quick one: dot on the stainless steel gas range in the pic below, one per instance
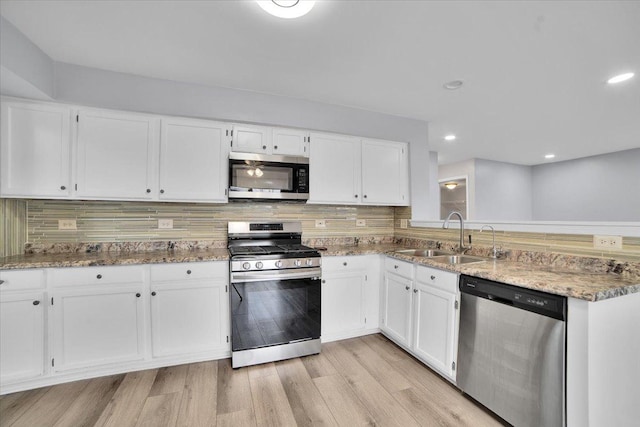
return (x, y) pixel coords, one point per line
(275, 293)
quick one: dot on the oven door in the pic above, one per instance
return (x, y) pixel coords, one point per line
(273, 312)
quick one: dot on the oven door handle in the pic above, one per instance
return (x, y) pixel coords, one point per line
(260, 276)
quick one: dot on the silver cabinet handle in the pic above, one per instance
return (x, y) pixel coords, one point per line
(407, 287)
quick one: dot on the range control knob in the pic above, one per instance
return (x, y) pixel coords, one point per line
(279, 264)
(258, 265)
(246, 265)
(297, 263)
(309, 262)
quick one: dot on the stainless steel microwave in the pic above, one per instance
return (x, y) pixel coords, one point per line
(259, 176)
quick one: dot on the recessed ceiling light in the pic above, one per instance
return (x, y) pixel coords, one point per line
(453, 84)
(450, 137)
(620, 78)
(549, 156)
(287, 8)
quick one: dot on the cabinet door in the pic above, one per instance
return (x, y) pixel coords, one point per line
(434, 327)
(290, 142)
(385, 173)
(34, 151)
(97, 327)
(251, 139)
(334, 169)
(117, 154)
(193, 160)
(396, 313)
(189, 318)
(21, 336)
(343, 304)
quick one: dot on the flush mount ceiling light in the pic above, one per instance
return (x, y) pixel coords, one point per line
(451, 185)
(450, 137)
(453, 84)
(287, 9)
(549, 156)
(620, 78)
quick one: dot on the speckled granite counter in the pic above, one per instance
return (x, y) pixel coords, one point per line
(571, 283)
(588, 286)
(111, 258)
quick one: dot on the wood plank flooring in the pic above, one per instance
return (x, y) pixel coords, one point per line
(366, 381)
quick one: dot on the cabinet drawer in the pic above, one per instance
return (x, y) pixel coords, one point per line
(60, 277)
(338, 263)
(20, 280)
(401, 268)
(445, 280)
(189, 271)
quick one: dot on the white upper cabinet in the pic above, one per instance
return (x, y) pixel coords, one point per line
(193, 160)
(251, 139)
(35, 151)
(334, 169)
(117, 155)
(385, 179)
(290, 142)
(346, 170)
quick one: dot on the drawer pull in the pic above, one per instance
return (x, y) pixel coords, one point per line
(138, 295)
(433, 277)
(99, 276)
(153, 294)
(344, 263)
(396, 267)
(36, 302)
(62, 187)
(415, 291)
(407, 287)
(188, 271)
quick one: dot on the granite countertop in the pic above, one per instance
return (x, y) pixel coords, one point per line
(561, 281)
(88, 259)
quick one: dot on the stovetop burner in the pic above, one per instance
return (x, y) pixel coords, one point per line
(271, 250)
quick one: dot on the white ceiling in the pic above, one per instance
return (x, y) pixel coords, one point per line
(534, 72)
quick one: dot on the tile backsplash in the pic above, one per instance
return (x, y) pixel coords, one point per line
(13, 226)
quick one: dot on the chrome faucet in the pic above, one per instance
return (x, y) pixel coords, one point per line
(494, 251)
(462, 248)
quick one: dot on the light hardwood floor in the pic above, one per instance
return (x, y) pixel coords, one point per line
(361, 381)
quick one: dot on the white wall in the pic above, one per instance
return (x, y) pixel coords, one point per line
(502, 191)
(598, 188)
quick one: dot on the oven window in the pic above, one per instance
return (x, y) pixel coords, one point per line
(274, 312)
(262, 177)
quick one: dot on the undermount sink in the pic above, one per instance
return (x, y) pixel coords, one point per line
(457, 259)
(427, 253)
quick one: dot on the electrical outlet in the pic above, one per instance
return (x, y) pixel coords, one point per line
(165, 224)
(607, 242)
(67, 224)
(321, 223)
(361, 222)
(403, 223)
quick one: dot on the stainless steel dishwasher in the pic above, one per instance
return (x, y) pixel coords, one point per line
(511, 355)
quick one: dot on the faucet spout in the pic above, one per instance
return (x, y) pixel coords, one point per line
(462, 248)
(494, 251)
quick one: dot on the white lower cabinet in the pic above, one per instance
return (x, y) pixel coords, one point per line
(420, 313)
(96, 326)
(189, 309)
(350, 296)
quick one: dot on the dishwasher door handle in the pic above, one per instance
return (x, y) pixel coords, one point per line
(500, 300)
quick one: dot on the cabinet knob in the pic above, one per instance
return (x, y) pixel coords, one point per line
(99, 276)
(275, 147)
(161, 191)
(153, 294)
(36, 302)
(415, 291)
(1, 282)
(344, 263)
(433, 277)
(365, 196)
(396, 266)
(264, 147)
(148, 190)
(407, 287)
(188, 271)
(324, 281)
(138, 295)
(62, 187)
(356, 196)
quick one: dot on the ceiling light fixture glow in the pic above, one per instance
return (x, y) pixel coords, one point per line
(549, 156)
(453, 84)
(287, 9)
(450, 137)
(451, 185)
(620, 78)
